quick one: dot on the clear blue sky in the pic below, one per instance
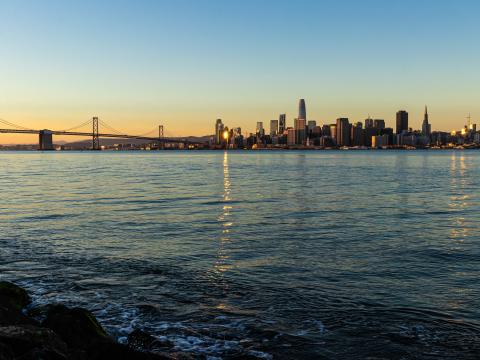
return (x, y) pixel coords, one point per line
(185, 62)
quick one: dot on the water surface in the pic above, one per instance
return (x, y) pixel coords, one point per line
(326, 254)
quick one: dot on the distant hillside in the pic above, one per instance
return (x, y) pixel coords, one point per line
(110, 141)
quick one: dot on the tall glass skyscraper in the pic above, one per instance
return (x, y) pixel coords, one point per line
(301, 123)
(302, 111)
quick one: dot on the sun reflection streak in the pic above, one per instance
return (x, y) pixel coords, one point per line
(222, 263)
(459, 200)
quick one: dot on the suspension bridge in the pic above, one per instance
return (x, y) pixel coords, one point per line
(45, 136)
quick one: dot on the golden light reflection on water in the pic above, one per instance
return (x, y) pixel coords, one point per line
(222, 263)
(460, 198)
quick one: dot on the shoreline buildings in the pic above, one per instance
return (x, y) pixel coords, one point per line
(300, 123)
(372, 133)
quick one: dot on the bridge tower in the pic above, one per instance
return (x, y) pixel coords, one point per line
(95, 138)
(161, 143)
(45, 140)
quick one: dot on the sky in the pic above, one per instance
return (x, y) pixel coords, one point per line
(139, 63)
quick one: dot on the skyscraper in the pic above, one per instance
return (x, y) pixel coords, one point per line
(273, 128)
(379, 124)
(368, 123)
(260, 130)
(402, 121)
(357, 135)
(426, 127)
(218, 131)
(301, 123)
(300, 131)
(302, 111)
(343, 132)
(282, 123)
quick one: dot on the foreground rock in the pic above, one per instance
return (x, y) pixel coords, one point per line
(64, 333)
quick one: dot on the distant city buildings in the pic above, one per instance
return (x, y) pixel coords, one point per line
(379, 124)
(218, 131)
(426, 127)
(343, 134)
(402, 121)
(368, 123)
(301, 123)
(259, 130)
(273, 128)
(282, 123)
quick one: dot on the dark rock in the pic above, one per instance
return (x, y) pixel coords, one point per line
(28, 342)
(5, 352)
(40, 312)
(77, 326)
(140, 340)
(9, 316)
(13, 296)
(12, 300)
(65, 333)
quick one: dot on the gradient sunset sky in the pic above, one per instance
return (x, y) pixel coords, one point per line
(183, 63)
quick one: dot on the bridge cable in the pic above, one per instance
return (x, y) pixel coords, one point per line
(78, 126)
(18, 127)
(115, 131)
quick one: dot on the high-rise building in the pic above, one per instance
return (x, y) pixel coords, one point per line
(316, 132)
(326, 130)
(426, 127)
(368, 123)
(218, 131)
(310, 126)
(300, 124)
(300, 131)
(260, 131)
(343, 132)
(357, 134)
(282, 123)
(273, 128)
(379, 124)
(302, 110)
(333, 132)
(402, 121)
(291, 136)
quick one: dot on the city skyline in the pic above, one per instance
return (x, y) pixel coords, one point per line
(343, 134)
(183, 64)
(292, 122)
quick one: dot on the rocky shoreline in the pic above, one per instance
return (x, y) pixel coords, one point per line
(57, 332)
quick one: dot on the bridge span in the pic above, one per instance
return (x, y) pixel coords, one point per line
(45, 136)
